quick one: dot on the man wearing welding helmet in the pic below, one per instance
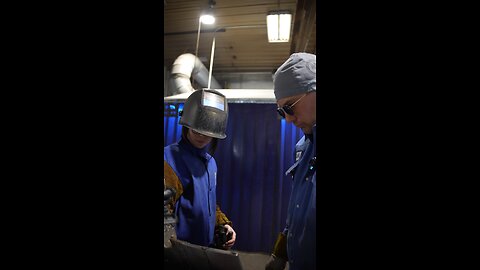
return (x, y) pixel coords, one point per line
(295, 91)
(204, 121)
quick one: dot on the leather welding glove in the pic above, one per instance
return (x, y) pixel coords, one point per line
(171, 181)
(221, 218)
(278, 259)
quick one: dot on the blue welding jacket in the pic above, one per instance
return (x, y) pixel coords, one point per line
(195, 209)
(301, 214)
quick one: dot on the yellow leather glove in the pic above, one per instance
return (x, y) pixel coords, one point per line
(221, 218)
(171, 181)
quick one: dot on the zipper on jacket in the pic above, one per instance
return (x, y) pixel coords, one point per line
(209, 189)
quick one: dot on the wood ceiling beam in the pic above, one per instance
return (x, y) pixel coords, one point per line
(304, 22)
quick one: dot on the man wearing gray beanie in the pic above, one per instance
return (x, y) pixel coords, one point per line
(295, 91)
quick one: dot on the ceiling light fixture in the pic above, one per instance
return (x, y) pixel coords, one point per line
(206, 17)
(278, 25)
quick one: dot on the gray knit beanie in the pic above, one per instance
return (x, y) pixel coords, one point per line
(297, 75)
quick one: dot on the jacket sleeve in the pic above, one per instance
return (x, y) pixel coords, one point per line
(171, 180)
(221, 218)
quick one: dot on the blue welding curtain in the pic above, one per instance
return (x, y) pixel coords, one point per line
(252, 189)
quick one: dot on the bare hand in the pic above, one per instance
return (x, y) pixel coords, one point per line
(233, 236)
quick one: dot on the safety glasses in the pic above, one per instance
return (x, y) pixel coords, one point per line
(288, 108)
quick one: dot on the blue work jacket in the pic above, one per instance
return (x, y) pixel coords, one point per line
(195, 209)
(301, 214)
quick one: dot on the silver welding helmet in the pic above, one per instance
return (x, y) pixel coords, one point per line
(206, 112)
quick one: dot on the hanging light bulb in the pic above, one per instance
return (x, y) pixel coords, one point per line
(207, 19)
(207, 16)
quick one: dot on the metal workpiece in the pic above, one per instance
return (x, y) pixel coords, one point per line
(184, 255)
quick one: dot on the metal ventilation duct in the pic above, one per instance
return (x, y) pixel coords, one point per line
(185, 66)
